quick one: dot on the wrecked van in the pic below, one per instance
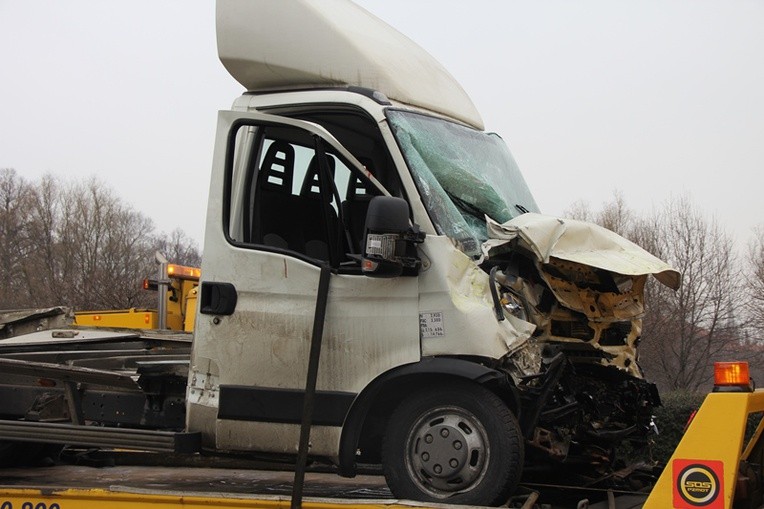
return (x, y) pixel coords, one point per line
(465, 334)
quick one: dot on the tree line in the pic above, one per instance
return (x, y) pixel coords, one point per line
(78, 244)
(717, 314)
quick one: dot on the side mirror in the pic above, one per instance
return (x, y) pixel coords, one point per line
(390, 240)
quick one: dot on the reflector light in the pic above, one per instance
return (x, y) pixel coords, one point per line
(689, 420)
(97, 318)
(731, 374)
(147, 318)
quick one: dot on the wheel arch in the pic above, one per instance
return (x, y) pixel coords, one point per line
(386, 391)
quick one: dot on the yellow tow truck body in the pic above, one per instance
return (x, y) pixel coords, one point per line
(179, 305)
(99, 499)
(714, 466)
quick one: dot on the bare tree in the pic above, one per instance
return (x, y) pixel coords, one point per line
(77, 244)
(179, 248)
(615, 215)
(110, 246)
(125, 259)
(579, 210)
(686, 330)
(14, 200)
(47, 264)
(755, 283)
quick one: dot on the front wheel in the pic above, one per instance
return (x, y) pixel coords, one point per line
(456, 443)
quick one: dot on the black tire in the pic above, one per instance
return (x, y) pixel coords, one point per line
(456, 443)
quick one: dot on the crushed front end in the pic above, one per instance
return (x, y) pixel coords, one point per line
(581, 389)
(568, 295)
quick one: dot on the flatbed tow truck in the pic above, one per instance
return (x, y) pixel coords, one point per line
(717, 465)
(378, 287)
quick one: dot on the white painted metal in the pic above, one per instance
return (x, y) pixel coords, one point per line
(456, 287)
(371, 327)
(293, 44)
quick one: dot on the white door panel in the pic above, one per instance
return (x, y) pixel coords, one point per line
(259, 353)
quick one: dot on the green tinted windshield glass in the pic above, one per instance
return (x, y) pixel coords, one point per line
(462, 175)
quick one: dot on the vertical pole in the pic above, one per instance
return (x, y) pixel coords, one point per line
(162, 288)
(310, 385)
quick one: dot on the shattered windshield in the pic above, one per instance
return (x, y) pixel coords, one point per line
(462, 175)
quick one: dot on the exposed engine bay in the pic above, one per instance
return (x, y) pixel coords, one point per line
(581, 387)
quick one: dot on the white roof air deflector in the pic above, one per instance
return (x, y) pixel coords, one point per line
(282, 44)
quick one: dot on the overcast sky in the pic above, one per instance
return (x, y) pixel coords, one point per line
(652, 98)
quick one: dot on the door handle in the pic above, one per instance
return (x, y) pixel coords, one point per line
(218, 298)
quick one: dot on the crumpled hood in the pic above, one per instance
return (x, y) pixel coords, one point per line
(580, 242)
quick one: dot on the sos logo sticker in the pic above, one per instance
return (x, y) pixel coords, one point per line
(698, 484)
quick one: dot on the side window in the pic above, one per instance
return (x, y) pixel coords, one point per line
(283, 197)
